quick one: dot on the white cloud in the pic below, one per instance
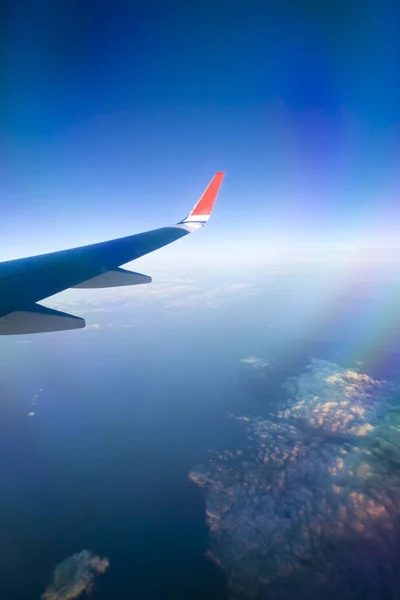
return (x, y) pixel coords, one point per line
(93, 326)
(75, 575)
(257, 363)
(208, 297)
(171, 293)
(336, 399)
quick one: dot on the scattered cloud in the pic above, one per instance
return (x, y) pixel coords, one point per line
(241, 286)
(311, 500)
(335, 399)
(209, 297)
(171, 293)
(75, 575)
(257, 363)
(33, 402)
(93, 326)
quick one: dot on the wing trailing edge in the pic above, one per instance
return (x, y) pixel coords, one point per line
(114, 278)
(38, 319)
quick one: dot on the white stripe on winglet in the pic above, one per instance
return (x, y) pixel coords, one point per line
(188, 226)
(197, 218)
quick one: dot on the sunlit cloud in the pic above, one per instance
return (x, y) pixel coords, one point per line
(75, 575)
(309, 480)
(335, 399)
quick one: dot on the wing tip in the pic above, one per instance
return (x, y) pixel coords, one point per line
(202, 211)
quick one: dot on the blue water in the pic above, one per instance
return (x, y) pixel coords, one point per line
(104, 462)
(124, 414)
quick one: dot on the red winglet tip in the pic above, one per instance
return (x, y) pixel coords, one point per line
(206, 202)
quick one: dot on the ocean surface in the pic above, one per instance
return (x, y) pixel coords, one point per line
(101, 429)
(103, 463)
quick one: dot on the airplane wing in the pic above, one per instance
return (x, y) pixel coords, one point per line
(26, 281)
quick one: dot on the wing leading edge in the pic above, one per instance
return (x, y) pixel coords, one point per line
(26, 281)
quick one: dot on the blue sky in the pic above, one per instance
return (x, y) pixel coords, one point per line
(116, 115)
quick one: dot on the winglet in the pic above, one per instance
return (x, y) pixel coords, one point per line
(202, 211)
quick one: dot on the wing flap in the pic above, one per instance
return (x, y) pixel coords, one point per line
(38, 319)
(114, 278)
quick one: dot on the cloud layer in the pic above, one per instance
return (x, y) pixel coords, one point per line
(312, 499)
